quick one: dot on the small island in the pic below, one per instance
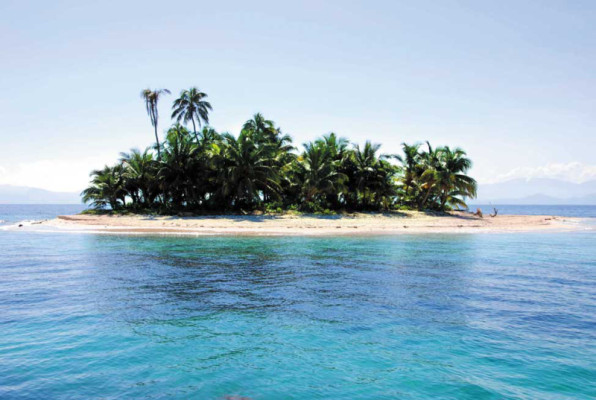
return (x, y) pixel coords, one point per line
(302, 224)
(203, 171)
(201, 181)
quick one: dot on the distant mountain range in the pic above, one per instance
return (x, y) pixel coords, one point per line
(26, 195)
(537, 191)
(516, 191)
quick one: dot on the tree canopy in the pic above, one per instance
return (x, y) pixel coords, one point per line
(261, 169)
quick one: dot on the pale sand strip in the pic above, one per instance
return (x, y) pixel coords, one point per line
(308, 225)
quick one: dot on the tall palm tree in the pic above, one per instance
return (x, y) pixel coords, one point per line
(151, 98)
(191, 106)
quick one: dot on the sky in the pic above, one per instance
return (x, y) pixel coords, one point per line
(511, 82)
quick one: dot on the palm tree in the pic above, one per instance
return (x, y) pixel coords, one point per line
(340, 155)
(441, 176)
(317, 172)
(177, 170)
(106, 188)
(429, 170)
(192, 105)
(278, 146)
(337, 146)
(151, 98)
(139, 175)
(260, 129)
(366, 176)
(410, 162)
(205, 170)
(452, 180)
(209, 136)
(247, 172)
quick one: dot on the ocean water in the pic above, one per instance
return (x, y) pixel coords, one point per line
(485, 316)
(14, 213)
(560, 210)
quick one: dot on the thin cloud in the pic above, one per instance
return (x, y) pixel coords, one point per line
(573, 172)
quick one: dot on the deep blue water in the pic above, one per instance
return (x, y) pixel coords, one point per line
(485, 316)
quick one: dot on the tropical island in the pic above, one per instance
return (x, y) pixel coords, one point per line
(200, 181)
(203, 171)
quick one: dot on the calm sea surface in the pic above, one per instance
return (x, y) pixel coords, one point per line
(484, 316)
(561, 210)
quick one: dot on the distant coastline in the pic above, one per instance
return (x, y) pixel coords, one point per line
(11, 194)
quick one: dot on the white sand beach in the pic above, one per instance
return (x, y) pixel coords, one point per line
(312, 225)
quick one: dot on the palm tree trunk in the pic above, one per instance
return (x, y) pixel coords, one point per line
(159, 155)
(421, 207)
(444, 196)
(194, 129)
(157, 141)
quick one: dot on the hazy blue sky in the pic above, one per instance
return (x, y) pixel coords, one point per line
(512, 82)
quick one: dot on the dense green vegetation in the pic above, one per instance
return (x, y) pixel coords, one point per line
(260, 169)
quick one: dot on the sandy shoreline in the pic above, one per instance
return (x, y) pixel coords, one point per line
(310, 225)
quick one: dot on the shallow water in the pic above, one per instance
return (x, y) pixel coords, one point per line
(435, 316)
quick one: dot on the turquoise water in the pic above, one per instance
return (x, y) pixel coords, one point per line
(486, 316)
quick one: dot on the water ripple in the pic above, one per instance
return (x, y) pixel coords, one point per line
(466, 317)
